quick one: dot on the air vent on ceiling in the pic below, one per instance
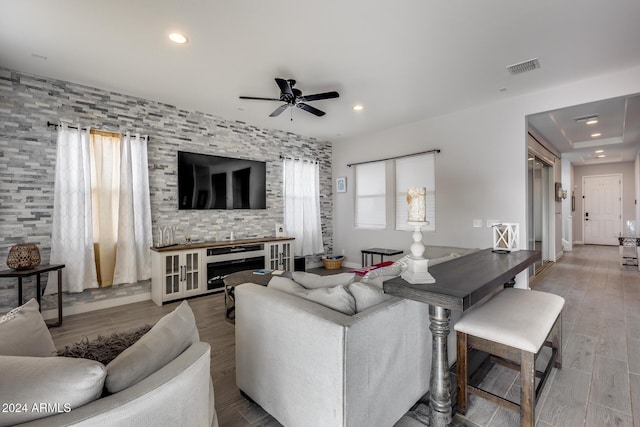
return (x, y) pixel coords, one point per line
(585, 119)
(524, 66)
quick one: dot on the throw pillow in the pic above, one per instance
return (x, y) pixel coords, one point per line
(164, 342)
(336, 298)
(314, 281)
(379, 275)
(38, 387)
(24, 333)
(367, 295)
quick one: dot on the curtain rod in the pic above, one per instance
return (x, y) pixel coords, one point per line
(436, 151)
(56, 125)
(293, 158)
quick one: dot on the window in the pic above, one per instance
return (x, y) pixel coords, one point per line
(415, 171)
(370, 195)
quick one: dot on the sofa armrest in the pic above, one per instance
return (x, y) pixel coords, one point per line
(152, 401)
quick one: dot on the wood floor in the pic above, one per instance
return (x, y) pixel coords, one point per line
(599, 384)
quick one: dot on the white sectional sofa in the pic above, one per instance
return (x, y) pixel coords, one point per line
(308, 365)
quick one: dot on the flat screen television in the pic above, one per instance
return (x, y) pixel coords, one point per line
(216, 182)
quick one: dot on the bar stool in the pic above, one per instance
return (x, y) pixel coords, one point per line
(512, 327)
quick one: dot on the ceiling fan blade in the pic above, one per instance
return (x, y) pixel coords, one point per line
(261, 99)
(279, 110)
(318, 96)
(310, 109)
(284, 86)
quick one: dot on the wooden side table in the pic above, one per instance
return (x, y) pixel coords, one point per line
(37, 271)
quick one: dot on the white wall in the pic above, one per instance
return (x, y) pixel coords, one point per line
(480, 173)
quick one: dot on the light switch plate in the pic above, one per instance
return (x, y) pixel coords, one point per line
(477, 223)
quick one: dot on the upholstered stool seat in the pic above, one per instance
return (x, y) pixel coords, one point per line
(512, 326)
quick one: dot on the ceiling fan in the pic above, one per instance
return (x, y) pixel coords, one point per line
(293, 98)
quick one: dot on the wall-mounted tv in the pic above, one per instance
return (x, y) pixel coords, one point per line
(216, 182)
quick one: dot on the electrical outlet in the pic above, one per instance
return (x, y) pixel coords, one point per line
(477, 223)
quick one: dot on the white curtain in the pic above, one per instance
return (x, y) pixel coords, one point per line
(302, 205)
(133, 254)
(72, 234)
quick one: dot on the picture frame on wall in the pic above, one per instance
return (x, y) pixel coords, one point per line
(281, 231)
(341, 184)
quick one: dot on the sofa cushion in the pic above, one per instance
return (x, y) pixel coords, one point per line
(164, 342)
(367, 295)
(24, 333)
(314, 281)
(43, 386)
(336, 298)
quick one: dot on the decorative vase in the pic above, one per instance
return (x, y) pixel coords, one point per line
(23, 257)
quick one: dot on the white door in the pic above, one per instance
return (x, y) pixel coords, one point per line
(602, 209)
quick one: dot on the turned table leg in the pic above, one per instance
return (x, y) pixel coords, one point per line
(440, 384)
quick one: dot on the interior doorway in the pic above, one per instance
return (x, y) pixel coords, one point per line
(602, 220)
(540, 180)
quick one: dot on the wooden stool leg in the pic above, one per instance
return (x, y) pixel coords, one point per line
(462, 374)
(558, 342)
(527, 389)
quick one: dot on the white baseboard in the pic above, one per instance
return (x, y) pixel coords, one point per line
(93, 306)
(351, 265)
(578, 242)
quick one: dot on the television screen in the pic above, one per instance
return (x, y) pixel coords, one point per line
(216, 182)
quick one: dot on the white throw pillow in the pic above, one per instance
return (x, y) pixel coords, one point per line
(314, 281)
(336, 298)
(367, 295)
(164, 342)
(37, 387)
(379, 275)
(24, 333)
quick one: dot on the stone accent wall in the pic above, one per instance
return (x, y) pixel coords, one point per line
(28, 153)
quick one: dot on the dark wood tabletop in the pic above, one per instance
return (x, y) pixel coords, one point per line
(42, 268)
(462, 282)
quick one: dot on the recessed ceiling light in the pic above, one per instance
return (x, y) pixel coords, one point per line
(178, 38)
(599, 151)
(595, 135)
(358, 107)
(591, 121)
(601, 156)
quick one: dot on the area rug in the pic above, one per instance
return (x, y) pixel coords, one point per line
(104, 348)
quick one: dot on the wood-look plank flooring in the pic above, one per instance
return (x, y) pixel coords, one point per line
(599, 384)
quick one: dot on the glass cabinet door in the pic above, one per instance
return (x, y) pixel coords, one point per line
(192, 271)
(172, 274)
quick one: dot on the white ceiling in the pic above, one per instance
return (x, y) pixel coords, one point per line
(616, 135)
(403, 60)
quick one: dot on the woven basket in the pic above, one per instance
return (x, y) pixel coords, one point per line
(23, 257)
(332, 264)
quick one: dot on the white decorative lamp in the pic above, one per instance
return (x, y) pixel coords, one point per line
(505, 237)
(417, 271)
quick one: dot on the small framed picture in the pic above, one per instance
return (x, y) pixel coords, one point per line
(281, 231)
(341, 184)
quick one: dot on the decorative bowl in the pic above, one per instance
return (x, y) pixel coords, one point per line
(23, 257)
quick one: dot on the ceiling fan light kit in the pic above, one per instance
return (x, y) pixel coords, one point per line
(293, 97)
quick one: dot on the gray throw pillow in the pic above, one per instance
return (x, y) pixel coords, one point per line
(24, 333)
(38, 387)
(164, 342)
(314, 281)
(367, 295)
(336, 298)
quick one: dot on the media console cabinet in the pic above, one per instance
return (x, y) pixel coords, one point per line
(182, 271)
